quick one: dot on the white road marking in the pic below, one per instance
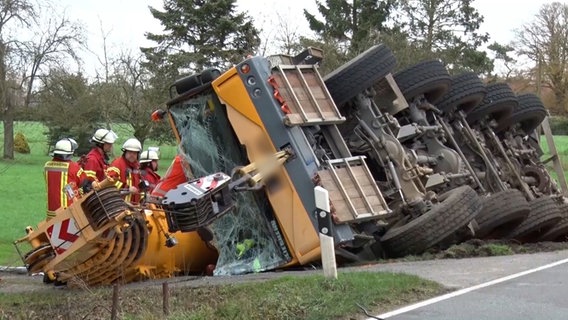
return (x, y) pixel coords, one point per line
(465, 290)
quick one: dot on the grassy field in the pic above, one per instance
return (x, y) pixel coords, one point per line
(561, 143)
(305, 297)
(22, 186)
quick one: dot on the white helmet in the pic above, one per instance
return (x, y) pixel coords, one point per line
(104, 136)
(63, 146)
(74, 144)
(148, 156)
(132, 144)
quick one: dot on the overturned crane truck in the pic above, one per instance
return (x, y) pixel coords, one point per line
(334, 136)
(255, 141)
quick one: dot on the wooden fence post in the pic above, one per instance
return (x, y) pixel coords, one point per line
(166, 298)
(114, 310)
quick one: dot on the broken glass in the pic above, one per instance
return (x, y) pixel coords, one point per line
(245, 237)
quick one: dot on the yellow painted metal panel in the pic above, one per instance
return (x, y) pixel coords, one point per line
(232, 91)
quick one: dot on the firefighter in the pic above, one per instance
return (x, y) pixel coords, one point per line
(63, 176)
(127, 170)
(148, 169)
(96, 161)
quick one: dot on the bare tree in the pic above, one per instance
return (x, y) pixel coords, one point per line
(545, 42)
(280, 38)
(55, 39)
(131, 80)
(287, 35)
(104, 90)
(13, 14)
(104, 60)
(59, 38)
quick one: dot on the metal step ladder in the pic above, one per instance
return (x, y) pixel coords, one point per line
(352, 190)
(306, 100)
(555, 158)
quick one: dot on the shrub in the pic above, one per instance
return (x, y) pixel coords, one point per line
(21, 143)
(559, 125)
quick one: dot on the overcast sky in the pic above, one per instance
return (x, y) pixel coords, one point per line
(126, 21)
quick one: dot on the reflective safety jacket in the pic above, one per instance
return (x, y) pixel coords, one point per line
(128, 176)
(59, 173)
(174, 176)
(95, 165)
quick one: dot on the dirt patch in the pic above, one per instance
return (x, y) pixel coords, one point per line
(487, 248)
(479, 248)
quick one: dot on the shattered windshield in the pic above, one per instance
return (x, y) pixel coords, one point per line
(244, 236)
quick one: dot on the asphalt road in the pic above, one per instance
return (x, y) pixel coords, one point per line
(535, 293)
(463, 273)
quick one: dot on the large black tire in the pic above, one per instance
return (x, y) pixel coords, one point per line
(502, 211)
(544, 215)
(187, 83)
(209, 75)
(466, 92)
(429, 78)
(498, 103)
(359, 73)
(560, 231)
(456, 209)
(529, 113)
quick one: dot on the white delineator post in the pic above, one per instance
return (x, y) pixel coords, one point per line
(325, 234)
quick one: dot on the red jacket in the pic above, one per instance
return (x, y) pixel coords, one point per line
(175, 175)
(128, 176)
(151, 176)
(59, 173)
(95, 164)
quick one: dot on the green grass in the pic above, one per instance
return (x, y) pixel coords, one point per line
(497, 249)
(305, 297)
(22, 185)
(561, 143)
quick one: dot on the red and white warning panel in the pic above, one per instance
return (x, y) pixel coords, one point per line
(62, 234)
(208, 183)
